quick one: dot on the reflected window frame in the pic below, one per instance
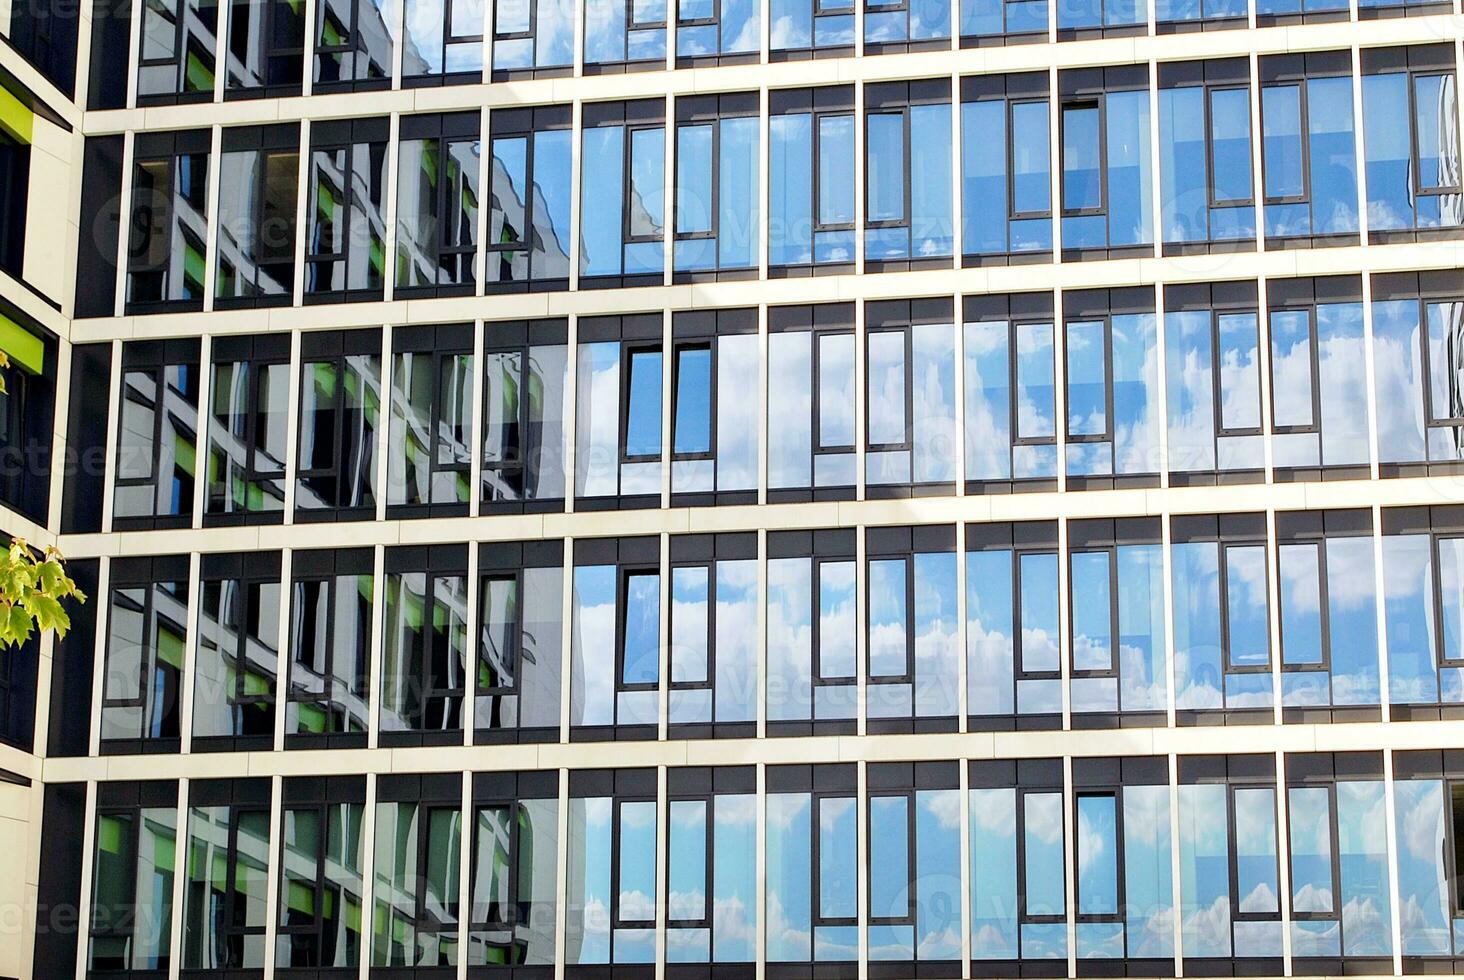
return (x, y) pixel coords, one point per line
(329, 571)
(453, 212)
(246, 483)
(338, 805)
(528, 126)
(342, 353)
(174, 409)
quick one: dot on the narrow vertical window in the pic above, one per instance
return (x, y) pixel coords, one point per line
(811, 624)
(259, 184)
(1309, 166)
(1107, 196)
(717, 186)
(529, 193)
(169, 222)
(429, 438)
(345, 253)
(133, 864)
(1006, 169)
(519, 657)
(157, 435)
(712, 633)
(340, 413)
(811, 417)
(249, 395)
(353, 45)
(417, 896)
(615, 639)
(1205, 156)
(237, 661)
(622, 198)
(1110, 355)
(437, 201)
(514, 865)
(224, 900)
(525, 382)
(322, 849)
(907, 219)
(424, 650)
(147, 631)
(619, 458)
(613, 891)
(331, 600)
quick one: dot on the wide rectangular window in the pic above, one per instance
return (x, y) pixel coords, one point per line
(429, 442)
(1110, 354)
(157, 435)
(812, 632)
(623, 197)
(520, 640)
(711, 845)
(353, 45)
(1101, 18)
(811, 180)
(812, 864)
(169, 222)
(340, 412)
(1013, 639)
(811, 416)
(1017, 874)
(625, 35)
(237, 661)
(532, 38)
(714, 370)
(1119, 655)
(907, 175)
(259, 185)
(331, 600)
(1178, 16)
(1230, 904)
(1222, 634)
(266, 56)
(1001, 22)
(1124, 873)
(1318, 377)
(910, 405)
(321, 857)
(1329, 627)
(803, 29)
(618, 455)
(1276, 12)
(529, 190)
(613, 890)
(525, 387)
(1208, 199)
(1410, 141)
(417, 877)
(425, 639)
(1338, 841)
(615, 645)
(712, 630)
(249, 396)
(443, 42)
(1006, 169)
(1428, 795)
(437, 205)
(515, 862)
(142, 666)
(717, 186)
(224, 896)
(1107, 189)
(912, 651)
(175, 55)
(345, 255)
(1213, 381)
(1010, 364)
(133, 863)
(914, 847)
(1308, 154)
(899, 26)
(716, 32)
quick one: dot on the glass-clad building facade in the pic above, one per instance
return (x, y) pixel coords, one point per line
(736, 489)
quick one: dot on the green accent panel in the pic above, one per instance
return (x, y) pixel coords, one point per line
(312, 718)
(301, 898)
(183, 453)
(170, 648)
(109, 835)
(255, 683)
(193, 264)
(16, 117)
(26, 350)
(199, 76)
